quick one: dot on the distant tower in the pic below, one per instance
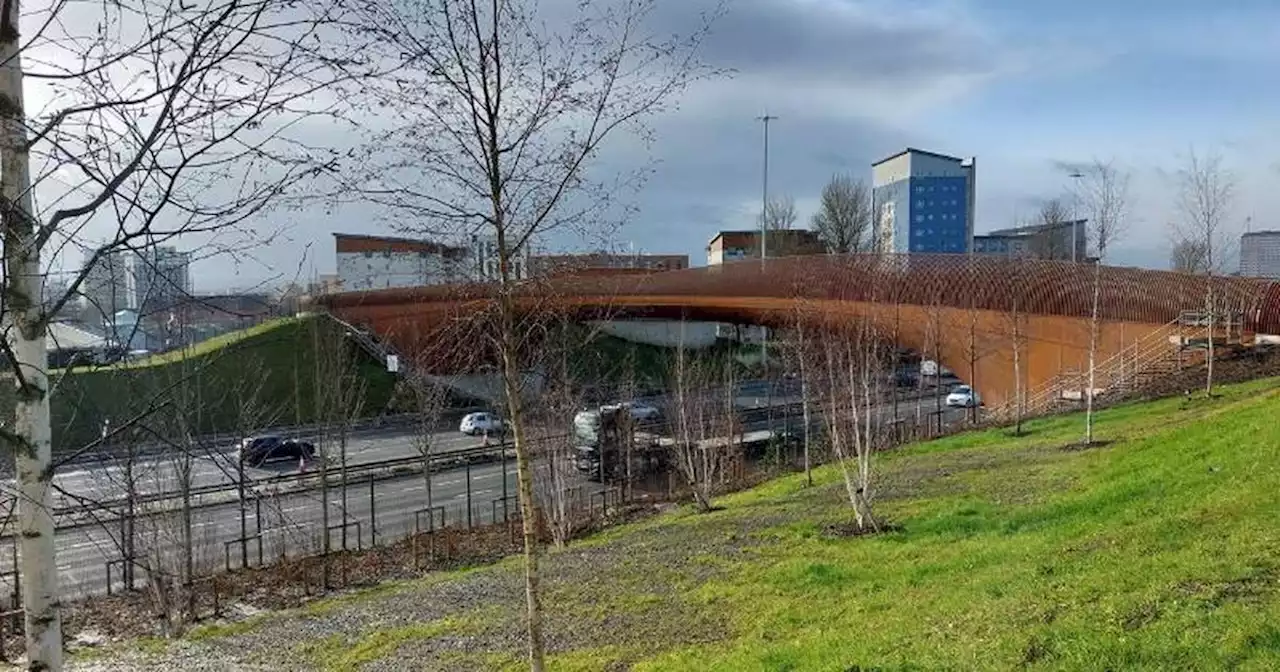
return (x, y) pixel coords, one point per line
(923, 202)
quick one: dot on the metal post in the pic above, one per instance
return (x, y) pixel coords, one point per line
(468, 494)
(506, 498)
(124, 556)
(244, 524)
(257, 516)
(373, 516)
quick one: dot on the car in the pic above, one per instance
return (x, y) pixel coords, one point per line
(963, 396)
(475, 424)
(642, 412)
(259, 450)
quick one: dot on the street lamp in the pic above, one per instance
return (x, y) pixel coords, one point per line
(764, 253)
(1075, 219)
(764, 194)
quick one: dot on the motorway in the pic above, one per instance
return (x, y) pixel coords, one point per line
(291, 521)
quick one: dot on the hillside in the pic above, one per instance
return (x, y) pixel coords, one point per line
(243, 380)
(1158, 551)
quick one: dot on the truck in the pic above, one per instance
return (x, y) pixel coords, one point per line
(601, 438)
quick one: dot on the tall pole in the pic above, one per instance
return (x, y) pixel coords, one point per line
(764, 253)
(764, 192)
(1075, 220)
(29, 439)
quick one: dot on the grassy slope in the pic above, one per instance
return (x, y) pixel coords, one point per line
(256, 377)
(1160, 551)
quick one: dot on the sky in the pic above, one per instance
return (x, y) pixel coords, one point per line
(1023, 86)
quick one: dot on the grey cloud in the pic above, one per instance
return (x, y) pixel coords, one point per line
(709, 170)
(845, 44)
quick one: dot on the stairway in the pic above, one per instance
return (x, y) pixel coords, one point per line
(1176, 346)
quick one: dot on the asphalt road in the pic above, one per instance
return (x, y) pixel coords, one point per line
(291, 522)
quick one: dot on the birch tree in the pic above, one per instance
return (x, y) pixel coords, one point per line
(152, 121)
(843, 220)
(491, 125)
(1105, 195)
(850, 363)
(1205, 193)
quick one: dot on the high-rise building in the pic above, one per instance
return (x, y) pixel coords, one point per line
(111, 284)
(147, 281)
(163, 278)
(923, 202)
(1260, 254)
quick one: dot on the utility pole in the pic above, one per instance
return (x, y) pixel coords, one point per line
(30, 439)
(1075, 175)
(764, 194)
(764, 253)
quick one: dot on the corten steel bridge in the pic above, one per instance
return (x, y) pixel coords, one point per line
(967, 311)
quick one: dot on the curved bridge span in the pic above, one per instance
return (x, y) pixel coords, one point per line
(971, 311)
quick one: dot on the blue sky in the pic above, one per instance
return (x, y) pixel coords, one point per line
(1023, 85)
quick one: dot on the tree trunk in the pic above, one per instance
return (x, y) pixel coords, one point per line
(804, 403)
(1208, 379)
(31, 437)
(524, 478)
(1093, 354)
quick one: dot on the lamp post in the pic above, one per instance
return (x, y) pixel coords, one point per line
(764, 253)
(1075, 219)
(764, 192)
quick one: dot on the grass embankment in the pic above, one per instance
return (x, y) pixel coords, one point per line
(606, 359)
(1158, 551)
(244, 380)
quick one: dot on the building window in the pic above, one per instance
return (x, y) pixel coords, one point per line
(919, 218)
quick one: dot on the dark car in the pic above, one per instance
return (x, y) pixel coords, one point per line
(259, 450)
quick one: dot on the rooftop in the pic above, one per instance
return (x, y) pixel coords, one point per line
(355, 242)
(913, 150)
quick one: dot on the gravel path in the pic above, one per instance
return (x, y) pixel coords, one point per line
(629, 593)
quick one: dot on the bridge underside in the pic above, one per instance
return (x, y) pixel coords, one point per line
(968, 312)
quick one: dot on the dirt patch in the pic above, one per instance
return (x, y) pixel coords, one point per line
(850, 529)
(1079, 446)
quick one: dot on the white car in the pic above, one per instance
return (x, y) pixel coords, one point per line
(475, 424)
(963, 396)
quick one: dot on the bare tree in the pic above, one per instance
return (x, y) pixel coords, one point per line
(1051, 242)
(202, 142)
(843, 220)
(1189, 256)
(702, 422)
(338, 394)
(851, 362)
(1205, 194)
(429, 402)
(1105, 195)
(780, 213)
(1017, 325)
(496, 113)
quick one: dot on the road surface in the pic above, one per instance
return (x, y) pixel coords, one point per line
(292, 521)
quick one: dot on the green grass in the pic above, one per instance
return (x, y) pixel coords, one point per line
(241, 381)
(1157, 551)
